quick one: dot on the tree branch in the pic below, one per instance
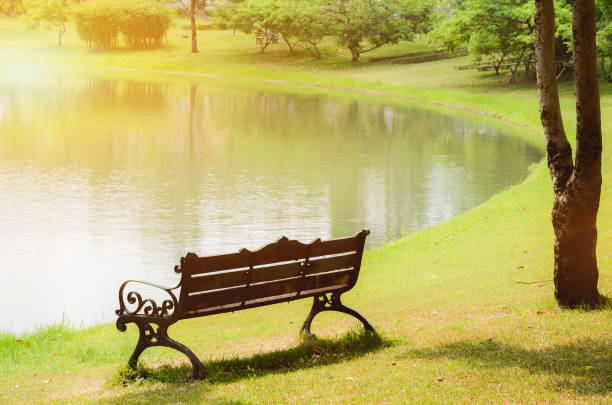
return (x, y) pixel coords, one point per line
(586, 87)
(559, 151)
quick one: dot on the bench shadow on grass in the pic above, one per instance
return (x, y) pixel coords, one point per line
(583, 366)
(308, 354)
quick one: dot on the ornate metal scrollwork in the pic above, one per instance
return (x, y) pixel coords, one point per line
(146, 306)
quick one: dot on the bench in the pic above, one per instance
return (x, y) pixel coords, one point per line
(264, 37)
(283, 271)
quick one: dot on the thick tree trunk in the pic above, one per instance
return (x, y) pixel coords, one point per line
(576, 279)
(576, 189)
(194, 40)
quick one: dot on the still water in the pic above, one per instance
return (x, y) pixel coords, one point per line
(105, 178)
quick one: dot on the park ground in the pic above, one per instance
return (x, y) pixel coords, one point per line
(465, 309)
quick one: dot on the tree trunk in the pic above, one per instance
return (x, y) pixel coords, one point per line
(194, 40)
(62, 31)
(288, 44)
(576, 188)
(527, 68)
(265, 44)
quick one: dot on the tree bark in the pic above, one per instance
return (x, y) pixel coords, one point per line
(194, 40)
(576, 188)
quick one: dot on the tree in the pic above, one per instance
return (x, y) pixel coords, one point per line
(604, 38)
(604, 42)
(194, 28)
(254, 17)
(142, 23)
(500, 31)
(53, 12)
(576, 184)
(365, 25)
(300, 24)
(12, 7)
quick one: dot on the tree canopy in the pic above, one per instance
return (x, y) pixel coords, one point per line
(52, 12)
(358, 25)
(142, 23)
(604, 38)
(503, 32)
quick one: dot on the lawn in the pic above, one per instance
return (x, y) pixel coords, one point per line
(465, 309)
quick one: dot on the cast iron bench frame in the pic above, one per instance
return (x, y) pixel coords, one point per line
(283, 271)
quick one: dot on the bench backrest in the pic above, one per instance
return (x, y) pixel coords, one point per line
(282, 271)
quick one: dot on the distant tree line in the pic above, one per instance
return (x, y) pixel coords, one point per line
(500, 34)
(140, 24)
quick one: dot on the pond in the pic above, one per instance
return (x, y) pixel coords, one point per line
(111, 177)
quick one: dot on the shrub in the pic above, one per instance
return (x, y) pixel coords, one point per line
(142, 23)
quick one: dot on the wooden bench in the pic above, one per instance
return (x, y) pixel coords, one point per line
(283, 271)
(264, 37)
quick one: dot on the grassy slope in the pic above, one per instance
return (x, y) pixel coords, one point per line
(458, 326)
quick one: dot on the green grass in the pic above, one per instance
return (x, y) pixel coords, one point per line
(456, 324)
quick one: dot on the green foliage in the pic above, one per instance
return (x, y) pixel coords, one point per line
(142, 23)
(604, 39)
(359, 25)
(183, 7)
(364, 25)
(52, 12)
(502, 32)
(296, 21)
(299, 24)
(12, 8)
(494, 30)
(97, 23)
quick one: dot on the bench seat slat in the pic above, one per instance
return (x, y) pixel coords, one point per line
(325, 264)
(216, 281)
(274, 288)
(277, 272)
(269, 289)
(261, 301)
(239, 278)
(326, 280)
(335, 246)
(213, 299)
(210, 264)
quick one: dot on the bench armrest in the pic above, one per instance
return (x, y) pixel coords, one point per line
(146, 306)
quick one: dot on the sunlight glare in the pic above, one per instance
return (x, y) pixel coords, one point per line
(19, 72)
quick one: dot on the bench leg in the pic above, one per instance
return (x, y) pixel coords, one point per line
(149, 337)
(324, 303)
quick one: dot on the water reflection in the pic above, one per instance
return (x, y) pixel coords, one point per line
(107, 179)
